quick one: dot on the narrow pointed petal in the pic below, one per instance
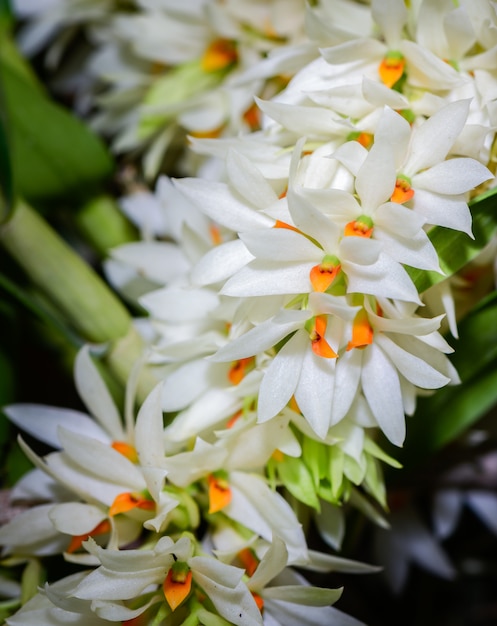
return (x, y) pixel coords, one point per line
(249, 181)
(453, 177)
(432, 140)
(95, 394)
(378, 374)
(219, 203)
(314, 391)
(281, 378)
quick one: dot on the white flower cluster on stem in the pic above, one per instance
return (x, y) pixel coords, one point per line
(285, 329)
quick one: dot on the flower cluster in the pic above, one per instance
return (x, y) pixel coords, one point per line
(285, 328)
(115, 500)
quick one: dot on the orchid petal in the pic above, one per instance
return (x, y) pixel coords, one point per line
(96, 396)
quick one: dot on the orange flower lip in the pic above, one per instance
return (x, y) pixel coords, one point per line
(403, 191)
(219, 492)
(320, 346)
(219, 55)
(391, 68)
(177, 585)
(77, 540)
(127, 501)
(239, 368)
(126, 450)
(362, 332)
(323, 275)
(361, 227)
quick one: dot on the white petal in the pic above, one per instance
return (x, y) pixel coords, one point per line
(100, 460)
(385, 278)
(220, 263)
(310, 122)
(378, 375)
(393, 130)
(95, 395)
(179, 390)
(42, 422)
(218, 202)
(149, 429)
(269, 279)
(281, 377)
(375, 181)
(76, 518)
(280, 244)
(314, 392)
(440, 210)
(157, 260)
(273, 561)
(266, 512)
(380, 95)
(426, 70)
(249, 181)
(211, 409)
(260, 338)
(432, 140)
(417, 371)
(452, 177)
(356, 50)
(234, 602)
(178, 304)
(391, 16)
(347, 376)
(398, 219)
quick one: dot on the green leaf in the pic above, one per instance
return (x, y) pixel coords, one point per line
(6, 182)
(456, 249)
(52, 152)
(442, 417)
(6, 17)
(298, 480)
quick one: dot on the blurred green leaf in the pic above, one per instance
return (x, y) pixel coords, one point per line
(298, 480)
(442, 417)
(52, 153)
(6, 17)
(456, 249)
(6, 183)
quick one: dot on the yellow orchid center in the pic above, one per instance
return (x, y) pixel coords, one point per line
(177, 584)
(278, 455)
(219, 55)
(323, 275)
(239, 369)
(362, 331)
(392, 67)
(403, 191)
(77, 540)
(126, 450)
(317, 328)
(128, 501)
(361, 227)
(219, 491)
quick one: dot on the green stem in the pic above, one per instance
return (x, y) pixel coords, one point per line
(77, 291)
(103, 224)
(71, 285)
